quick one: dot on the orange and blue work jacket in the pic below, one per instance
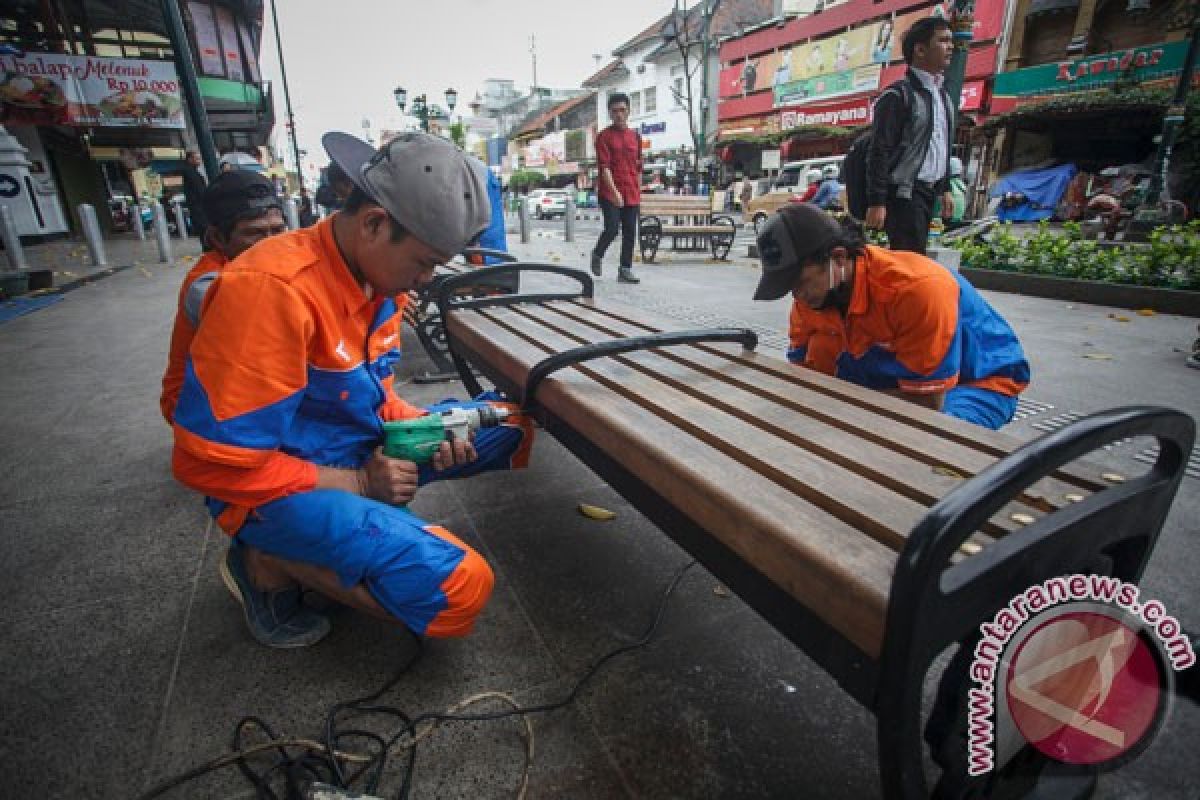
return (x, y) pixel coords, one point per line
(911, 325)
(183, 332)
(291, 369)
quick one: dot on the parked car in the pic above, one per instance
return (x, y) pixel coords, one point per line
(789, 181)
(548, 202)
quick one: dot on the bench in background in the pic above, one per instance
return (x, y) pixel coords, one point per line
(688, 220)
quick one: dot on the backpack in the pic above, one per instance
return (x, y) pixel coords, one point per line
(854, 167)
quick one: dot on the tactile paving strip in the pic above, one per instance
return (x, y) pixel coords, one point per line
(1192, 470)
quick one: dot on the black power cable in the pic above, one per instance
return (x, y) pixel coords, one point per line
(322, 761)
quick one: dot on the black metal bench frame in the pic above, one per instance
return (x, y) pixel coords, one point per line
(424, 317)
(933, 602)
(686, 236)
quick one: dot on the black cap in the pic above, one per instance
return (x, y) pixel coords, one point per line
(787, 238)
(238, 194)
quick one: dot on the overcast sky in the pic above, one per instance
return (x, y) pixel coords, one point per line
(345, 57)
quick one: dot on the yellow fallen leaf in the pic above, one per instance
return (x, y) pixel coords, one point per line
(720, 591)
(1022, 519)
(145, 272)
(1098, 356)
(1119, 317)
(970, 548)
(1146, 312)
(596, 512)
(946, 471)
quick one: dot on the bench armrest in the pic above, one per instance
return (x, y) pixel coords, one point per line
(488, 252)
(935, 603)
(543, 369)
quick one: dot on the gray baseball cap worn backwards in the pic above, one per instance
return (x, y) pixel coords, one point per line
(437, 192)
(787, 238)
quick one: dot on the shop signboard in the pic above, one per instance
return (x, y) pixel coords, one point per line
(971, 98)
(849, 113)
(54, 89)
(1136, 65)
(834, 84)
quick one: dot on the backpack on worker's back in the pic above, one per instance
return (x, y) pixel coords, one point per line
(854, 166)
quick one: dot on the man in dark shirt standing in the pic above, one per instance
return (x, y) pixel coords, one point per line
(193, 190)
(619, 156)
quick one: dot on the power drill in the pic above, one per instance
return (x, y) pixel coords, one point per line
(419, 438)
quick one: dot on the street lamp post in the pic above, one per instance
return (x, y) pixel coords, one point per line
(420, 104)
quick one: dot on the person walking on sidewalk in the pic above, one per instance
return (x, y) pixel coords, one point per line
(193, 190)
(288, 383)
(619, 156)
(242, 209)
(908, 162)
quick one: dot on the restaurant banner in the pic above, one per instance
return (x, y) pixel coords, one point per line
(836, 84)
(54, 89)
(848, 113)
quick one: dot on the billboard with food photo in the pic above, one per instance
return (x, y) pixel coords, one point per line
(54, 89)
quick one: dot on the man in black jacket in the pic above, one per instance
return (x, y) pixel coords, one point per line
(908, 163)
(193, 190)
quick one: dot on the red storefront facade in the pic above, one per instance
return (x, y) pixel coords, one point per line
(862, 37)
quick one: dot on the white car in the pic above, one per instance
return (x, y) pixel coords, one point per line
(548, 203)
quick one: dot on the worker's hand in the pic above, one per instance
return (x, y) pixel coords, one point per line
(876, 215)
(389, 480)
(619, 201)
(947, 206)
(453, 453)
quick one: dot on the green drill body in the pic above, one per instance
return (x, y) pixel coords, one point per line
(419, 438)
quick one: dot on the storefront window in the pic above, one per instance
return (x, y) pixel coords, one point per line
(230, 47)
(651, 98)
(208, 46)
(635, 104)
(248, 47)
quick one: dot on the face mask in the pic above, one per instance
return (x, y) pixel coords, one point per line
(839, 292)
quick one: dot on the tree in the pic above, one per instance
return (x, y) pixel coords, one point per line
(688, 30)
(458, 134)
(525, 179)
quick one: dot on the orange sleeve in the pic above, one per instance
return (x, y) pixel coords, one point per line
(924, 319)
(280, 475)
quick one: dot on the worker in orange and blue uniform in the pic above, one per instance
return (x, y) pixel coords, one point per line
(889, 320)
(241, 209)
(287, 384)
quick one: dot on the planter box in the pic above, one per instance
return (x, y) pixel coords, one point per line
(1166, 301)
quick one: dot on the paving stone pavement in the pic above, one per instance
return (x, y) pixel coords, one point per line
(126, 661)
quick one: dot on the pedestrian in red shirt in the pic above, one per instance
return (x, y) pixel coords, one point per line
(619, 156)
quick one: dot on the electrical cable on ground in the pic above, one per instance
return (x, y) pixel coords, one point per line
(327, 760)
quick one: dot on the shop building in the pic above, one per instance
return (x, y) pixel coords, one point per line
(805, 85)
(90, 90)
(1088, 82)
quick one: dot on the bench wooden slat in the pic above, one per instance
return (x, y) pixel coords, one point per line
(877, 511)
(826, 564)
(868, 463)
(859, 422)
(900, 415)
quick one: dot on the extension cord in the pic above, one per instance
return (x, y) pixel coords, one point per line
(323, 791)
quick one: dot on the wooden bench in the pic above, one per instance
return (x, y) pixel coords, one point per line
(689, 222)
(873, 533)
(421, 311)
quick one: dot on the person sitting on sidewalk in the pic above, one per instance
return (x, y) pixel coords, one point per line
(890, 320)
(286, 387)
(242, 209)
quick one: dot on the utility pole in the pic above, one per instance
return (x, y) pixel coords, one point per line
(533, 55)
(191, 87)
(287, 98)
(709, 9)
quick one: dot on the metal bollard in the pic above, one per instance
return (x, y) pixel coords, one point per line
(180, 220)
(569, 219)
(523, 216)
(12, 240)
(91, 232)
(161, 235)
(139, 227)
(291, 214)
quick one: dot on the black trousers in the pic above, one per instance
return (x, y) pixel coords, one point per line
(624, 218)
(907, 221)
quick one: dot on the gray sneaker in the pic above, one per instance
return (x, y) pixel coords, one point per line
(597, 265)
(275, 619)
(625, 275)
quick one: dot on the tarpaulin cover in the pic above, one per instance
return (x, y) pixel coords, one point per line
(1043, 188)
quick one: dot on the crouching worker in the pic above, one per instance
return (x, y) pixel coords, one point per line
(889, 320)
(241, 208)
(287, 385)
